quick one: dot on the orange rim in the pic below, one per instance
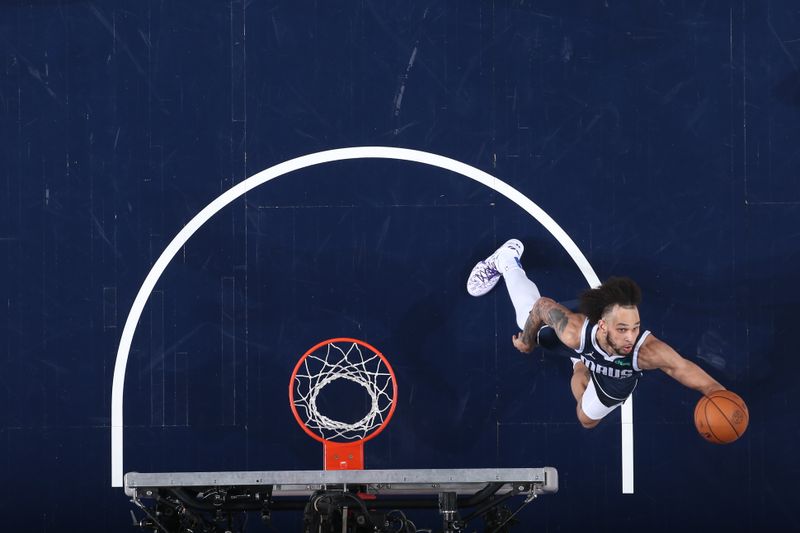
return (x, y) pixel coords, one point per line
(347, 340)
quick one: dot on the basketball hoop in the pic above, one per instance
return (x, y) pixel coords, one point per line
(359, 363)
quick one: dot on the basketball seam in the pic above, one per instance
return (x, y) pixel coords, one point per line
(711, 400)
(710, 427)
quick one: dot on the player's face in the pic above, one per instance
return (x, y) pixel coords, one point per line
(621, 329)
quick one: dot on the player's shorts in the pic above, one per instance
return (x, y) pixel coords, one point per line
(592, 406)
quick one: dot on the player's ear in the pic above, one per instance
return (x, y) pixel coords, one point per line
(602, 324)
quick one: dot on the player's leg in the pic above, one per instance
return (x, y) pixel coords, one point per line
(590, 408)
(523, 291)
(579, 383)
(504, 262)
(580, 380)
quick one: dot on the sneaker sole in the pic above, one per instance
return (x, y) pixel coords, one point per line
(511, 243)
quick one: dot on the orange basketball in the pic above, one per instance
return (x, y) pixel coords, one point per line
(721, 417)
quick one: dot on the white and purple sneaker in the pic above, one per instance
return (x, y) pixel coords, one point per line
(487, 273)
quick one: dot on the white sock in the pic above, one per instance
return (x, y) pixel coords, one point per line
(523, 292)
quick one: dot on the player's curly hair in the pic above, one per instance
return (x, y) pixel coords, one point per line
(594, 303)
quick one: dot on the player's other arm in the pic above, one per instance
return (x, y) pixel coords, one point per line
(567, 325)
(658, 354)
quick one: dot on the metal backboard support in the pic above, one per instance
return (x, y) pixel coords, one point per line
(333, 500)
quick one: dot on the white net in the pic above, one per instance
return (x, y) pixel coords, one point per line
(351, 362)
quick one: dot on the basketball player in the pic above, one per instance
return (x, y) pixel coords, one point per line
(608, 348)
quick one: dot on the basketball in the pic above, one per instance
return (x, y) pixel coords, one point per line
(721, 417)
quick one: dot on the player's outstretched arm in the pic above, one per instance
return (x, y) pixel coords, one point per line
(566, 324)
(658, 354)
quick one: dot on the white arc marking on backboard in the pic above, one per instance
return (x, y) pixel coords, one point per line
(329, 156)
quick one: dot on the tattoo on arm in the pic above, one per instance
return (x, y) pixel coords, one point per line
(557, 319)
(551, 313)
(529, 333)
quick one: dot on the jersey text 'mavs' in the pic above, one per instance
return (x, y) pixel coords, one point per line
(606, 371)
